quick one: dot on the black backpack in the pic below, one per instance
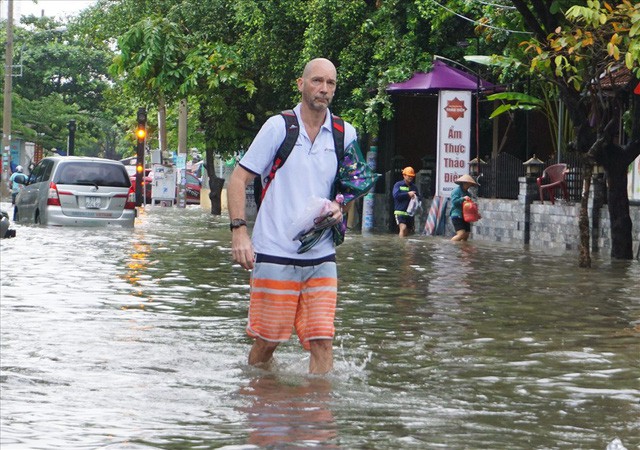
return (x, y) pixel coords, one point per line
(293, 129)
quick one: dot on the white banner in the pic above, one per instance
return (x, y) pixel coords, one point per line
(634, 179)
(454, 139)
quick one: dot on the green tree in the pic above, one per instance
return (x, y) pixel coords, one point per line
(583, 57)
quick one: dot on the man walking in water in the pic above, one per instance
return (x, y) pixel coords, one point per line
(289, 289)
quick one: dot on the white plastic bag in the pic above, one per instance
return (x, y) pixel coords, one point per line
(414, 204)
(316, 207)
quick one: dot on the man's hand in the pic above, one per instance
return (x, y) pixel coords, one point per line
(336, 211)
(412, 194)
(241, 248)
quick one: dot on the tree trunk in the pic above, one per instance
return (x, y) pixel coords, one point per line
(215, 195)
(583, 221)
(215, 183)
(620, 219)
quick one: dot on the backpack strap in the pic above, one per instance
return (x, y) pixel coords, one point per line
(338, 136)
(293, 130)
(337, 129)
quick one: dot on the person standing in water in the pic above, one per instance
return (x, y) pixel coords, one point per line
(404, 191)
(458, 196)
(289, 289)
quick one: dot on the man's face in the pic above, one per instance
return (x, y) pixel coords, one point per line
(318, 86)
(408, 179)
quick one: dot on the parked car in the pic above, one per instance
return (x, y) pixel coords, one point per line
(193, 189)
(147, 184)
(77, 191)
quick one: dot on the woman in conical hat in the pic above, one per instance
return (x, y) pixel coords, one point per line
(463, 229)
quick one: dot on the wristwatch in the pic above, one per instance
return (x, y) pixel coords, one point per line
(237, 223)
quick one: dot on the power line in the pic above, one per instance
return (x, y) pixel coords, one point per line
(496, 5)
(479, 23)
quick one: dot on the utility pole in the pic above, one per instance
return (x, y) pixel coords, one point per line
(8, 85)
(182, 153)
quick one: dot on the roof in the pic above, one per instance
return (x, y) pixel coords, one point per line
(441, 77)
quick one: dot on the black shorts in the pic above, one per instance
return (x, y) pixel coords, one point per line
(460, 224)
(409, 221)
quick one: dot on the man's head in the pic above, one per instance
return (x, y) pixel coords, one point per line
(19, 169)
(318, 84)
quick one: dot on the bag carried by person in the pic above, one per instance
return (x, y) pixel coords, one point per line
(470, 211)
(413, 206)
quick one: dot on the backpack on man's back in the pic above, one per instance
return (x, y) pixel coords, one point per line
(293, 130)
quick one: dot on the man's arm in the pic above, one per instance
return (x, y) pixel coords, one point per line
(241, 247)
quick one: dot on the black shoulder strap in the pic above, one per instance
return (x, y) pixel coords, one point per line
(292, 129)
(337, 129)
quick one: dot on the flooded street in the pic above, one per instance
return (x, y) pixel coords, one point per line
(134, 339)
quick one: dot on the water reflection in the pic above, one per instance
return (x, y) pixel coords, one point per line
(289, 414)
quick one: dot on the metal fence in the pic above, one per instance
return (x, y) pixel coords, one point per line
(499, 176)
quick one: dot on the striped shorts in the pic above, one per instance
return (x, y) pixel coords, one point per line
(288, 293)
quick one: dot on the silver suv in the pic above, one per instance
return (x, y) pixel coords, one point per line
(77, 191)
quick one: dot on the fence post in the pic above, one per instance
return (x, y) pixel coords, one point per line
(528, 192)
(597, 199)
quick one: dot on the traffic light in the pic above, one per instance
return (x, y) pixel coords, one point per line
(141, 134)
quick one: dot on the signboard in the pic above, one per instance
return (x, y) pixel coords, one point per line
(181, 161)
(454, 139)
(164, 183)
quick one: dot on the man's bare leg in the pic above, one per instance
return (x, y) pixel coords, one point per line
(321, 360)
(262, 352)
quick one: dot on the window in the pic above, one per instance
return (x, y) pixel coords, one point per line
(92, 174)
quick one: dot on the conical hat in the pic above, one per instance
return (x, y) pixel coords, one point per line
(466, 179)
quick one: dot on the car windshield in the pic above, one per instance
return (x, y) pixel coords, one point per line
(92, 174)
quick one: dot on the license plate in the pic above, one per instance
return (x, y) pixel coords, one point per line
(92, 203)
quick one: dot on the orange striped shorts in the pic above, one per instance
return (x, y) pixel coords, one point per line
(288, 293)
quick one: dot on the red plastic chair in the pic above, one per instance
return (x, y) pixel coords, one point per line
(553, 177)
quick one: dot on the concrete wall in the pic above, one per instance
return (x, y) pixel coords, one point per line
(550, 227)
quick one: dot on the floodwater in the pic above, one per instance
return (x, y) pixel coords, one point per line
(134, 339)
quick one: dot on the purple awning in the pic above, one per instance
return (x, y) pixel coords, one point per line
(441, 77)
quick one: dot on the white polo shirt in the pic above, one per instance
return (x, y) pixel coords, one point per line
(308, 173)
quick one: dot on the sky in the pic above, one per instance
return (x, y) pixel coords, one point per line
(52, 8)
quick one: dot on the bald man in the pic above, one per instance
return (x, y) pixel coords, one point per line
(291, 290)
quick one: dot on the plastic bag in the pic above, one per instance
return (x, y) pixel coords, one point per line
(414, 204)
(470, 211)
(315, 208)
(355, 176)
